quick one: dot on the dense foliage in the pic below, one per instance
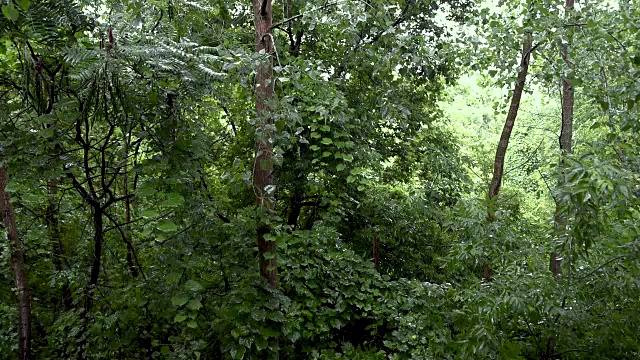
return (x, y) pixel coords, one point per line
(132, 132)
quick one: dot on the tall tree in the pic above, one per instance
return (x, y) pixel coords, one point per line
(566, 134)
(501, 151)
(17, 262)
(498, 164)
(263, 178)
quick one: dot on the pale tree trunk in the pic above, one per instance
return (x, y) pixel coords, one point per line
(566, 135)
(501, 151)
(17, 262)
(127, 207)
(263, 178)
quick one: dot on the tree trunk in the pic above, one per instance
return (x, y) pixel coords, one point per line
(263, 179)
(498, 164)
(566, 139)
(375, 251)
(17, 262)
(98, 239)
(501, 151)
(127, 208)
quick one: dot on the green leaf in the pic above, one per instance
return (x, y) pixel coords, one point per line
(238, 352)
(173, 199)
(149, 213)
(179, 300)
(167, 226)
(10, 12)
(165, 350)
(348, 157)
(24, 4)
(314, 147)
(261, 343)
(194, 304)
(192, 324)
(180, 318)
(193, 285)
(153, 97)
(327, 141)
(341, 167)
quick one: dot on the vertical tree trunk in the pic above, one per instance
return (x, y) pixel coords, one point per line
(566, 138)
(17, 262)
(375, 251)
(98, 239)
(263, 179)
(127, 207)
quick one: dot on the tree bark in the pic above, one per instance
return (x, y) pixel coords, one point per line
(263, 179)
(501, 151)
(127, 207)
(17, 262)
(375, 251)
(498, 164)
(98, 240)
(566, 139)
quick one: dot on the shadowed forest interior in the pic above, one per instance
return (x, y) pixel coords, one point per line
(317, 179)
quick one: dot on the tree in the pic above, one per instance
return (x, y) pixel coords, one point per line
(566, 133)
(17, 261)
(263, 177)
(498, 163)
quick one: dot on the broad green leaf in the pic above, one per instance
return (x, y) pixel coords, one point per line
(192, 324)
(327, 141)
(149, 213)
(179, 300)
(193, 285)
(194, 304)
(237, 352)
(167, 226)
(172, 199)
(341, 167)
(165, 350)
(24, 4)
(10, 12)
(180, 318)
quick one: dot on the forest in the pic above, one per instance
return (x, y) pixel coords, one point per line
(320, 179)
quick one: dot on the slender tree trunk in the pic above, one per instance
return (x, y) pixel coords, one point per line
(498, 164)
(375, 251)
(127, 208)
(17, 262)
(263, 179)
(566, 139)
(98, 239)
(501, 151)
